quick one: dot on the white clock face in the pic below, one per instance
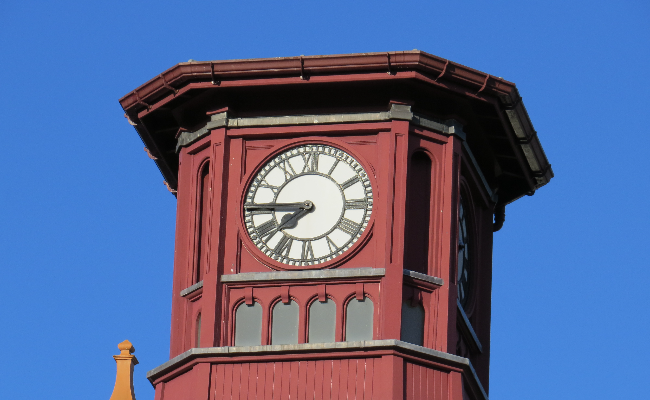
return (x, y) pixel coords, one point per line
(308, 205)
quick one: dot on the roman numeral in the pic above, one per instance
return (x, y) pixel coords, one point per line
(350, 182)
(265, 184)
(307, 251)
(311, 162)
(336, 162)
(356, 204)
(349, 227)
(288, 170)
(267, 229)
(332, 246)
(284, 246)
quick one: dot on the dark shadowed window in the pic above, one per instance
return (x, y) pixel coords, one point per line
(464, 250)
(248, 325)
(418, 204)
(202, 221)
(322, 321)
(198, 330)
(285, 323)
(358, 321)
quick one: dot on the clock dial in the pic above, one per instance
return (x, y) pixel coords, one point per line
(308, 205)
(463, 255)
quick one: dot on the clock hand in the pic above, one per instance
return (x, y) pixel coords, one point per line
(291, 220)
(305, 205)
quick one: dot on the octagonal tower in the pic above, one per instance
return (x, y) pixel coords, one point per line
(334, 223)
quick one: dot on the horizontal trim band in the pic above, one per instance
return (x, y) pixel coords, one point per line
(304, 275)
(397, 111)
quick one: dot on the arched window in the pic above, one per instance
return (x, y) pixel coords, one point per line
(418, 205)
(202, 222)
(198, 331)
(322, 321)
(412, 323)
(285, 323)
(464, 251)
(358, 321)
(248, 325)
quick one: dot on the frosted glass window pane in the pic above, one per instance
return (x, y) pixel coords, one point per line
(322, 322)
(248, 325)
(358, 323)
(285, 323)
(412, 323)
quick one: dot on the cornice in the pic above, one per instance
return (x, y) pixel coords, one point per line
(304, 67)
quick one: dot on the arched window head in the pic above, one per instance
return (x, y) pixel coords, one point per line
(248, 325)
(359, 319)
(322, 321)
(285, 323)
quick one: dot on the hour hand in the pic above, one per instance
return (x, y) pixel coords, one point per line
(303, 205)
(291, 220)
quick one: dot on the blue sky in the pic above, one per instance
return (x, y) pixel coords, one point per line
(87, 226)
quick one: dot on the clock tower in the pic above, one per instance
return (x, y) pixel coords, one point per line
(334, 222)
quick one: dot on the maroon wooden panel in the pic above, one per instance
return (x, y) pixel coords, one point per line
(180, 387)
(313, 379)
(425, 382)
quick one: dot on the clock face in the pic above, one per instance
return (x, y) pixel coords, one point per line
(308, 205)
(463, 255)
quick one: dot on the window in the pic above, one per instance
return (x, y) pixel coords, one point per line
(464, 283)
(412, 323)
(285, 323)
(248, 325)
(198, 330)
(418, 205)
(322, 321)
(358, 321)
(202, 222)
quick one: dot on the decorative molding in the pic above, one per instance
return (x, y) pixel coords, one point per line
(304, 275)
(467, 327)
(229, 352)
(191, 289)
(397, 111)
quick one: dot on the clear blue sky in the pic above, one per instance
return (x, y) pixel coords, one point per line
(87, 226)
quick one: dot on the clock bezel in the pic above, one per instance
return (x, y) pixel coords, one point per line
(258, 254)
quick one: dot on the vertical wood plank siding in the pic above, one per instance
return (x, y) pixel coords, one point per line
(346, 379)
(295, 380)
(422, 383)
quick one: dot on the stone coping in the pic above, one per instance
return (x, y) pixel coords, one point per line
(315, 347)
(191, 289)
(424, 277)
(304, 275)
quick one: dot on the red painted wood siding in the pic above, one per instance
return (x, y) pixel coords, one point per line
(347, 379)
(422, 383)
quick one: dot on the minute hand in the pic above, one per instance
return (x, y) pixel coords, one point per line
(305, 205)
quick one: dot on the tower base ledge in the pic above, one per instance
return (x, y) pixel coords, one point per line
(392, 368)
